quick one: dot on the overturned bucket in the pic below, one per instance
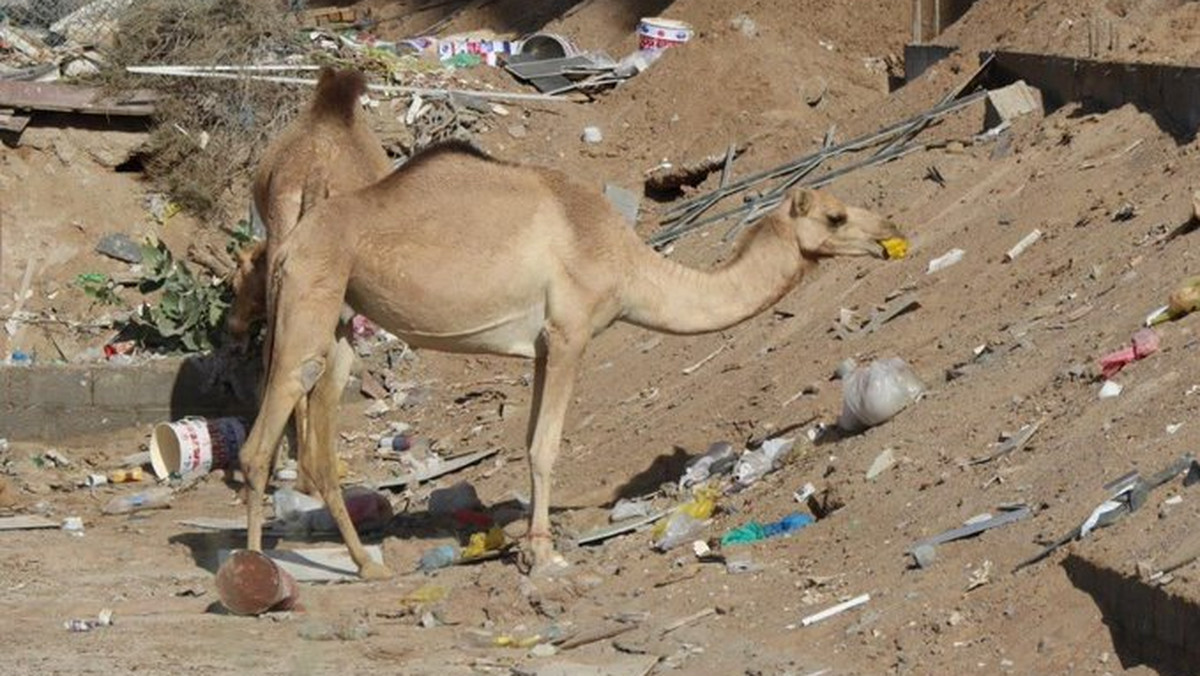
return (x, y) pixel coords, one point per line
(195, 445)
(250, 583)
(656, 33)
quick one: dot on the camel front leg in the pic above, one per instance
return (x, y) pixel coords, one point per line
(555, 371)
(319, 456)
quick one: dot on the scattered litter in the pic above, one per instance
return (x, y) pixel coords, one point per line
(894, 308)
(690, 619)
(629, 509)
(300, 514)
(103, 619)
(686, 520)
(1144, 343)
(835, 610)
(882, 463)
(196, 445)
(1020, 247)
(1126, 495)
(875, 393)
(753, 465)
(1110, 389)
(944, 261)
(980, 576)
(592, 135)
(717, 460)
(924, 555)
(657, 33)
(443, 468)
(126, 475)
(1007, 517)
(602, 534)
(458, 497)
(121, 247)
(712, 355)
(152, 498)
(804, 493)
(93, 480)
(1174, 427)
(1014, 443)
(1124, 212)
(1184, 300)
(754, 531)
(73, 525)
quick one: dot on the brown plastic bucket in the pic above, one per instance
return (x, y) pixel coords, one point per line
(250, 583)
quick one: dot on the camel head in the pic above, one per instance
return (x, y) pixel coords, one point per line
(249, 290)
(826, 227)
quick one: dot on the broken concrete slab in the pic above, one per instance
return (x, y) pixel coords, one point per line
(325, 564)
(1008, 103)
(121, 247)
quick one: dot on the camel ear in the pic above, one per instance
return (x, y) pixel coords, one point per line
(801, 202)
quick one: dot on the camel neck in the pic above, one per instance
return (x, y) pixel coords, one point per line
(665, 296)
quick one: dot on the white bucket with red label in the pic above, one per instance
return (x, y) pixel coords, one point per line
(196, 445)
(656, 33)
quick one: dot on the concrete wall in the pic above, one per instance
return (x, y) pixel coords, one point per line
(55, 402)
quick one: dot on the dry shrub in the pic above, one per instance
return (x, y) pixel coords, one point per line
(238, 117)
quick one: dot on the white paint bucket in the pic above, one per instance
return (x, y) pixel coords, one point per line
(195, 445)
(656, 33)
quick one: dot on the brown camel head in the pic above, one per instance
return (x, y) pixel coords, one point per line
(249, 290)
(825, 226)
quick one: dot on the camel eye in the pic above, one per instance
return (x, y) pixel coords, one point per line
(837, 219)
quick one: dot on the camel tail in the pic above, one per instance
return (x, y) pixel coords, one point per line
(337, 94)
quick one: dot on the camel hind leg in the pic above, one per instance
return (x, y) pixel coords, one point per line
(318, 458)
(304, 322)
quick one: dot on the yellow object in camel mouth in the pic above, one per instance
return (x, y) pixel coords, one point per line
(896, 247)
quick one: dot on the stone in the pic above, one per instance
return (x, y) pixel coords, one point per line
(592, 135)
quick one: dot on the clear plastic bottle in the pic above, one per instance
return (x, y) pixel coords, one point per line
(718, 459)
(438, 557)
(754, 464)
(153, 498)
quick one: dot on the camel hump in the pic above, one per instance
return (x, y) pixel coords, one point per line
(337, 94)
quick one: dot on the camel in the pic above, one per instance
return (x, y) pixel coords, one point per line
(327, 150)
(459, 252)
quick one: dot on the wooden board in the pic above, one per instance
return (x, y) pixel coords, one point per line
(59, 97)
(30, 522)
(324, 564)
(452, 465)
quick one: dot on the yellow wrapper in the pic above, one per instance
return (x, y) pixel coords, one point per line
(896, 247)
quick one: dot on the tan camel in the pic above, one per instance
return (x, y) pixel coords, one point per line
(461, 253)
(327, 150)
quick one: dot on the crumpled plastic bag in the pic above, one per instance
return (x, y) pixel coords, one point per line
(875, 393)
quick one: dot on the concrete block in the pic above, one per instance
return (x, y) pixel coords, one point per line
(68, 387)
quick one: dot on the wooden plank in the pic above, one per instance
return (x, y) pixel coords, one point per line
(31, 522)
(59, 97)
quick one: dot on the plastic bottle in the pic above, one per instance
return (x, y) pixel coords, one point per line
(153, 498)
(295, 509)
(687, 521)
(438, 557)
(718, 459)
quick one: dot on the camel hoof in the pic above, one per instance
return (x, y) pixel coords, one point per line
(375, 571)
(553, 567)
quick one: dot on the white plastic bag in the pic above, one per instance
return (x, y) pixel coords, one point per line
(875, 393)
